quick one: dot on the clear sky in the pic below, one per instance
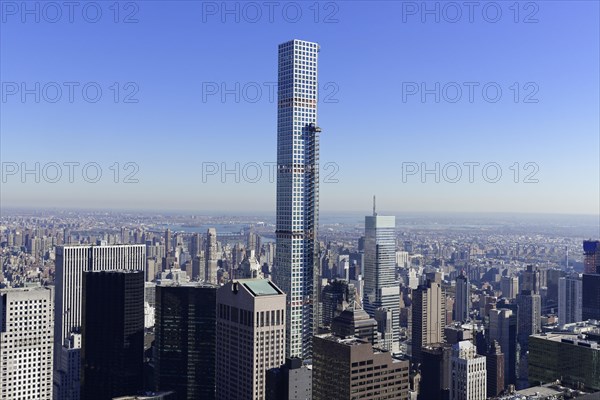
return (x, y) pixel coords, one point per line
(175, 58)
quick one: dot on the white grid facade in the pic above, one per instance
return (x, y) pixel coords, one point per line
(26, 344)
(297, 190)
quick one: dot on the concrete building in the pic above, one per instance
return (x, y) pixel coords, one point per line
(509, 286)
(296, 267)
(350, 368)
(462, 305)
(428, 316)
(503, 329)
(495, 369)
(590, 292)
(211, 257)
(569, 300)
(529, 316)
(26, 344)
(67, 377)
(291, 381)
(469, 377)
(250, 337)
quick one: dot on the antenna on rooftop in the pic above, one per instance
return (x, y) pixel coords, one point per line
(374, 212)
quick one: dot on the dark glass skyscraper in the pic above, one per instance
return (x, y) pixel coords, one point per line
(113, 334)
(185, 340)
(296, 265)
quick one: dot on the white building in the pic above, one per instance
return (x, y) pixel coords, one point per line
(295, 268)
(569, 300)
(469, 377)
(26, 343)
(402, 259)
(250, 337)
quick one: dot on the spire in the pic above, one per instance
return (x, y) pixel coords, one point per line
(374, 212)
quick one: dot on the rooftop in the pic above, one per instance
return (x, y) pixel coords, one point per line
(260, 287)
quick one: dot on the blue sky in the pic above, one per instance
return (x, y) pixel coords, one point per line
(372, 53)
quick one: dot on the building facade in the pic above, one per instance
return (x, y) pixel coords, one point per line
(462, 305)
(185, 340)
(296, 269)
(469, 376)
(380, 287)
(112, 334)
(26, 344)
(428, 317)
(250, 337)
(350, 368)
(565, 357)
(569, 300)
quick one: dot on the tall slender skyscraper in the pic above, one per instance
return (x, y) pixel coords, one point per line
(381, 289)
(569, 299)
(296, 264)
(428, 316)
(211, 257)
(463, 298)
(26, 319)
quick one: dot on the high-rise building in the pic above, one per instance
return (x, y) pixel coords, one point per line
(590, 290)
(250, 337)
(348, 368)
(112, 334)
(565, 357)
(469, 377)
(509, 287)
(531, 279)
(26, 344)
(462, 305)
(591, 258)
(380, 287)
(211, 256)
(503, 329)
(185, 340)
(296, 268)
(436, 372)
(71, 263)
(428, 316)
(168, 241)
(355, 322)
(495, 369)
(336, 296)
(67, 376)
(292, 381)
(529, 316)
(195, 245)
(569, 299)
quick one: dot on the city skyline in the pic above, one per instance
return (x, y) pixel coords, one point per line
(186, 193)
